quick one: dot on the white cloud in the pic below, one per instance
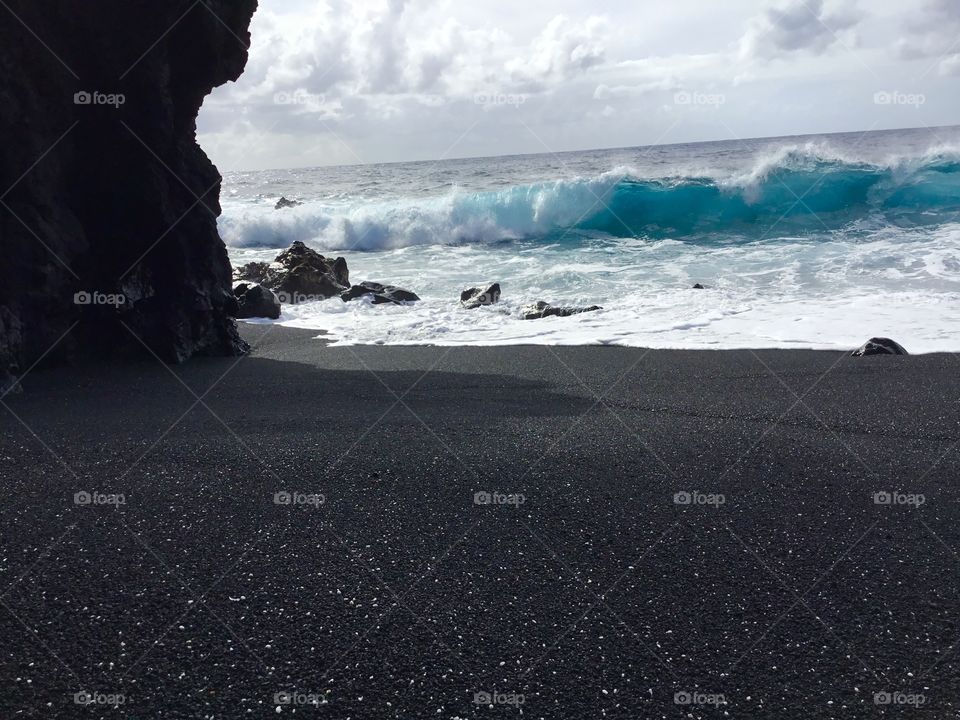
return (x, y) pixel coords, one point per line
(563, 50)
(381, 80)
(339, 67)
(397, 48)
(800, 25)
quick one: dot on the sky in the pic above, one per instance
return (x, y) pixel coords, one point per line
(337, 82)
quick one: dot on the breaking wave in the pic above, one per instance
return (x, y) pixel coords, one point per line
(795, 191)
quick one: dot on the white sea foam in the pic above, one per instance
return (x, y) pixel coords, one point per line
(784, 294)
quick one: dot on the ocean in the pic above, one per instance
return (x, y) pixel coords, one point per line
(802, 242)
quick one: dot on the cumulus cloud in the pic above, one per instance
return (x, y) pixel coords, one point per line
(563, 50)
(345, 81)
(340, 67)
(800, 25)
(394, 52)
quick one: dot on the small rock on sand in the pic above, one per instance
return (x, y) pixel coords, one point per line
(880, 346)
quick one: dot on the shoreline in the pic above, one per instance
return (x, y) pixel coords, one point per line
(327, 339)
(579, 582)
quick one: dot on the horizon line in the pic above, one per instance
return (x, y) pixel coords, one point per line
(595, 149)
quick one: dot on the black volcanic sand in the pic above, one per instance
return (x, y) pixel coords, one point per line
(399, 597)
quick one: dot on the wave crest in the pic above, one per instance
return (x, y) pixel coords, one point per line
(794, 190)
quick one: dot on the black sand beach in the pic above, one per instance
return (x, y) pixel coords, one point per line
(395, 595)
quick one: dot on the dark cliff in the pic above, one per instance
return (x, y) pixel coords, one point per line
(104, 191)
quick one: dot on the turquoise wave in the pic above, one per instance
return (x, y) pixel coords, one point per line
(828, 196)
(793, 195)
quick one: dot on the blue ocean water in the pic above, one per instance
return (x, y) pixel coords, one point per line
(816, 241)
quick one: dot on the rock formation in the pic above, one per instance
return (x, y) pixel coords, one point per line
(256, 301)
(104, 191)
(472, 298)
(880, 346)
(299, 274)
(284, 203)
(541, 309)
(380, 294)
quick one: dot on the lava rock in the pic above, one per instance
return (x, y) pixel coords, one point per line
(340, 271)
(880, 346)
(299, 274)
(305, 283)
(358, 291)
(284, 203)
(381, 294)
(299, 254)
(256, 301)
(472, 298)
(542, 309)
(255, 272)
(104, 184)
